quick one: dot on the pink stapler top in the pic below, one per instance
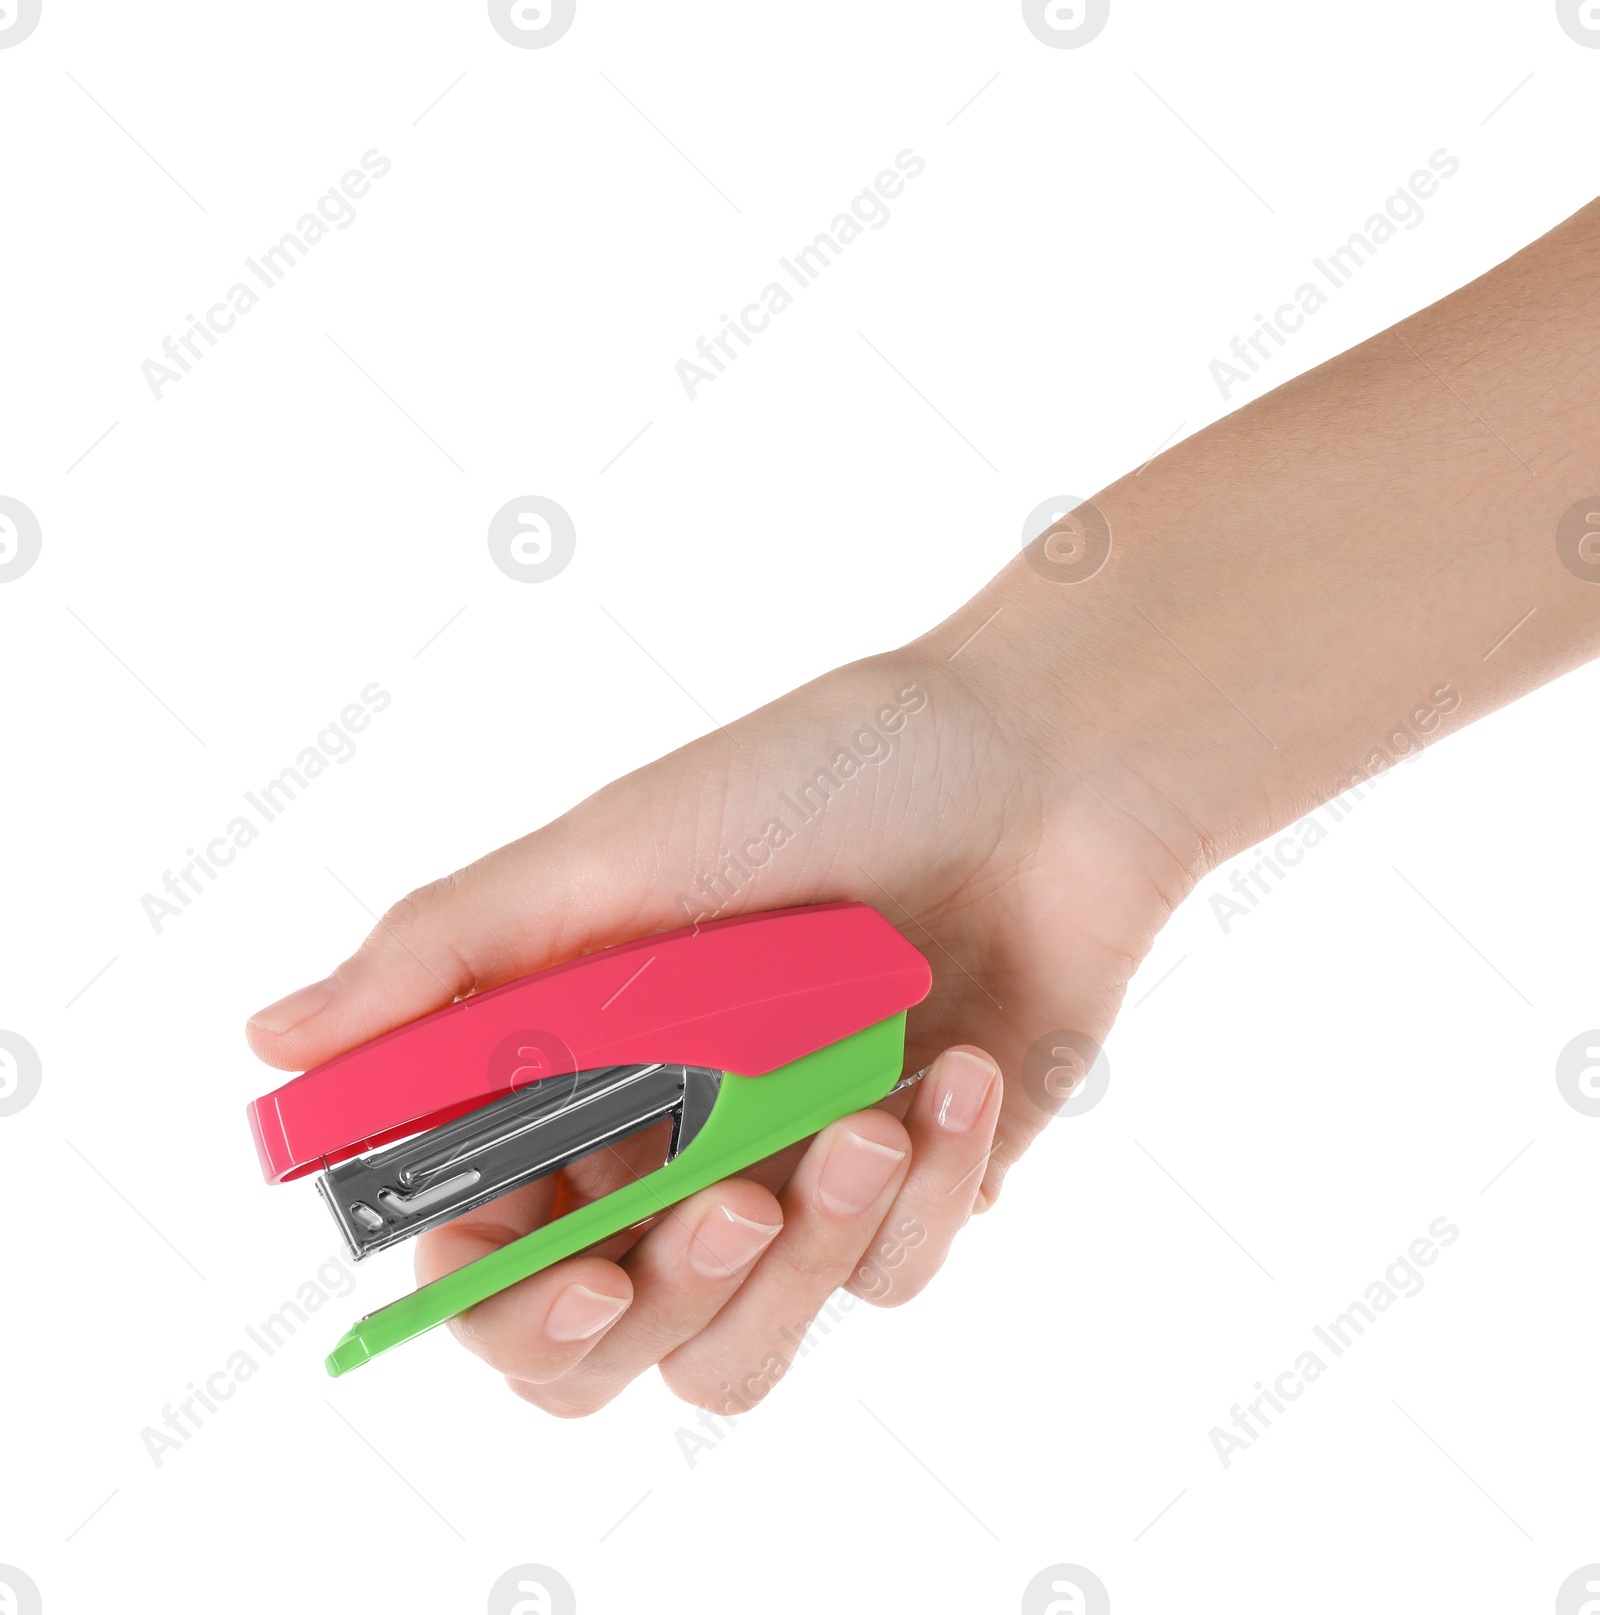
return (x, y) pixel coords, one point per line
(743, 995)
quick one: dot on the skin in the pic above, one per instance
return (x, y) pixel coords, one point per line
(1285, 595)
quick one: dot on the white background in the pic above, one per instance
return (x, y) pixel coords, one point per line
(231, 565)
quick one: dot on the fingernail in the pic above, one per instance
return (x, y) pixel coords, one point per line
(300, 1005)
(855, 1172)
(580, 1312)
(967, 1080)
(726, 1242)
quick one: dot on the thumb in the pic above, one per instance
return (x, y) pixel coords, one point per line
(552, 895)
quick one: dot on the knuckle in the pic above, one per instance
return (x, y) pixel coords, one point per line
(905, 1254)
(563, 1400)
(527, 1391)
(993, 1181)
(728, 1396)
(817, 1269)
(417, 924)
(407, 915)
(880, 1290)
(891, 1281)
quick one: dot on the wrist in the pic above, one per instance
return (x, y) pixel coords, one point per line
(1078, 681)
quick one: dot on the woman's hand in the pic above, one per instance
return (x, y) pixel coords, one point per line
(923, 783)
(1263, 617)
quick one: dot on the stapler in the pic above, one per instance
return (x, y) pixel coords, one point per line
(749, 1033)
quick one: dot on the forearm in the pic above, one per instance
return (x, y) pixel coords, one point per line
(1351, 566)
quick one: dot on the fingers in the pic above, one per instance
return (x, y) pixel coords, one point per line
(470, 930)
(682, 1272)
(540, 1330)
(721, 1290)
(547, 1323)
(570, 1338)
(1032, 1102)
(832, 1207)
(951, 1124)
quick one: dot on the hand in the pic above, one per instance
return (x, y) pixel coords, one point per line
(1032, 894)
(1294, 599)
